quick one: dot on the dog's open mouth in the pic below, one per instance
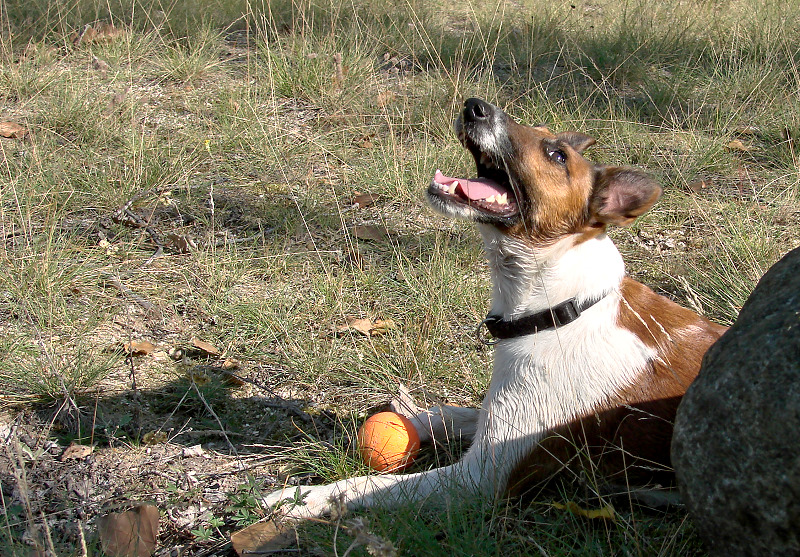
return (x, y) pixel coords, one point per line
(490, 193)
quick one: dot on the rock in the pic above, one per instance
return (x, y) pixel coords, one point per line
(736, 445)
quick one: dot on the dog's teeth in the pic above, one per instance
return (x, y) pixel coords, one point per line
(502, 199)
(452, 189)
(491, 199)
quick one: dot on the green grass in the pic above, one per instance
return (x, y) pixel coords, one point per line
(236, 133)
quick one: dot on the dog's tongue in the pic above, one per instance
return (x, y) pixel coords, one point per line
(475, 188)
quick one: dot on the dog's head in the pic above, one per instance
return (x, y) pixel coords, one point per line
(534, 184)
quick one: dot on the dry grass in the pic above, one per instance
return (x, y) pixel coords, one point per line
(194, 176)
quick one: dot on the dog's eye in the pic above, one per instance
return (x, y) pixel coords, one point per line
(557, 156)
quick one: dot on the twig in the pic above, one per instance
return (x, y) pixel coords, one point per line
(201, 432)
(126, 217)
(214, 414)
(156, 254)
(125, 291)
(212, 550)
(173, 413)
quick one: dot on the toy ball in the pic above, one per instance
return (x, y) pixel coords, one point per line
(388, 442)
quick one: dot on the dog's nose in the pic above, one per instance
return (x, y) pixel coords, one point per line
(477, 110)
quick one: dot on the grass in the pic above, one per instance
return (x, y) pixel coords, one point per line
(199, 183)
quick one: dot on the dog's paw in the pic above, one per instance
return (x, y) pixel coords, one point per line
(303, 501)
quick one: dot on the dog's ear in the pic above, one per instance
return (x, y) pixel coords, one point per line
(578, 141)
(621, 194)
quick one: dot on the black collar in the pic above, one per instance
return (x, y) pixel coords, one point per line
(557, 316)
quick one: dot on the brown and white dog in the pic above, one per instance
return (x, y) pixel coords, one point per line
(589, 365)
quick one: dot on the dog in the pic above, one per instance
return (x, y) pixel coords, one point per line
(589, 365)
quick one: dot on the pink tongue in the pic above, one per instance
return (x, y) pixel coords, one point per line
(475, 189)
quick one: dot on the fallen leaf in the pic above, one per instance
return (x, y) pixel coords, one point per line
(12, 130)
(154, 437)
(262, 538)
(196, 450)
(115, 101)
(182, 244)
(737, 145)
(362, 200)
(365, 141)
(129, 534)
(100, 65)
(698, 186)
(230, 364)
(100, 33)
(384, 98)
(382, 326)
(352, 256)
(370, 232)
(138, 347)
(76, 451)
(363, 326)
(606, 513)
(206, 347)
(367, 327)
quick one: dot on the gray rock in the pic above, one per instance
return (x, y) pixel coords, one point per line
(736, 445)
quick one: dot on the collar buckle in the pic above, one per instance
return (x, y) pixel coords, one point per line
(487, 338)
(565, 313)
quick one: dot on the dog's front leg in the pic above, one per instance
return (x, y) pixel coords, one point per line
(462, 478)
(501, 441)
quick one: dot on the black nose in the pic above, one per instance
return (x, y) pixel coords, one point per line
(477, 110)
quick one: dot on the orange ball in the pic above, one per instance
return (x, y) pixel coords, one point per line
(388, 442)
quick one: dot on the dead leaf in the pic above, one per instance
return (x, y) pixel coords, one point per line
(196, 450)
(233, 379)
(363, 326)
(370, 232)
(262, 538)
(138, 347)
(100, 65)
(206, 347)
(154, 437)
(698, 186)
(129, 534)
(100, 33)
(115, 101)
(367, 327)
(12, 130)
(385, 97)
(605, 513)
(231, 364)
(181, 244)
(353, 257)
(365, 141)
(76, 451)
(362, 200)
(737, 145)
(382, 326)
